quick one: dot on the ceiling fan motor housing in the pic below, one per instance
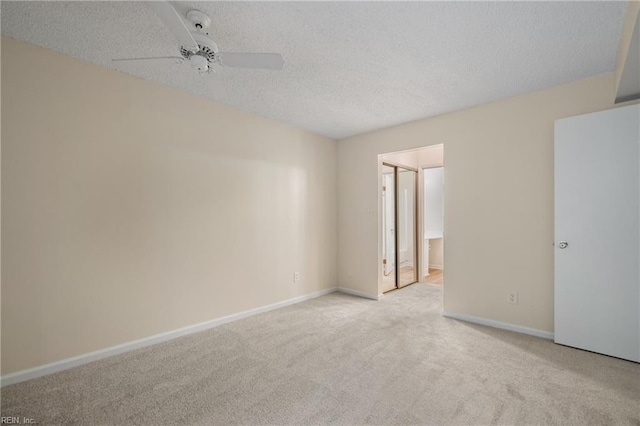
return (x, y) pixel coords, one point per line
(208, 48)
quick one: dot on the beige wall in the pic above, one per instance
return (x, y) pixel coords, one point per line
(131, 209)
(436, 253)
(432, 156)
(498, 200)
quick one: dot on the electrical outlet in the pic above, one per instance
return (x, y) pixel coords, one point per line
(296, 277)
(513, 298)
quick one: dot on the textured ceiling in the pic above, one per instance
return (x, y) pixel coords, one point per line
(350, 67)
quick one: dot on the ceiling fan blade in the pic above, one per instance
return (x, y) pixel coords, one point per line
(270, 61)
(172, 20)
(165, 59)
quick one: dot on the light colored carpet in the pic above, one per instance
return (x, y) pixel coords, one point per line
(339, 359)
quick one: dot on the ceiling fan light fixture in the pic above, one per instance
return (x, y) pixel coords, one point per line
(199, 62)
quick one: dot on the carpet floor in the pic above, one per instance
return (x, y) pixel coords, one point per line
(340, 359)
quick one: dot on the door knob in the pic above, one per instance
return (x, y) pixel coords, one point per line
(563, 244)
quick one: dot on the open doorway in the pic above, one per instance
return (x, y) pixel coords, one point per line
(411, 232)
(433, 224)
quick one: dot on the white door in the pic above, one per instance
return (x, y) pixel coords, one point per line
(597, 194)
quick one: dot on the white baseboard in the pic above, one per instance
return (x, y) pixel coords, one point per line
(498, 324)
(358, 293)
(65, 364)
(439, 267)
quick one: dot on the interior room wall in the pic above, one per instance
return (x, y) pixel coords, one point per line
(433, 202)
(132, 209)
(433, 216)
(498, 200)
(436, 252)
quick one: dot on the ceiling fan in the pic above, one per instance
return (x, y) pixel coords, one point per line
(200, 50)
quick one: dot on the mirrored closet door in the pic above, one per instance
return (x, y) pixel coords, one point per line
(399, 233)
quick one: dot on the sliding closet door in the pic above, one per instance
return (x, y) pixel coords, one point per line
(406, 227)
(388, 229)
